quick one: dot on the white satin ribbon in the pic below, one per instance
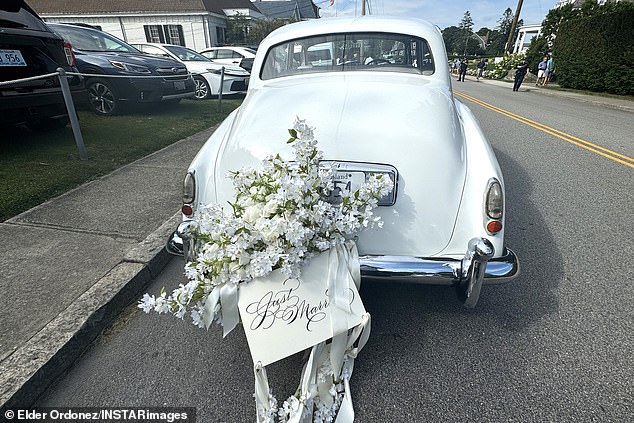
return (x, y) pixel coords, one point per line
(229, 307)
(210, 306)
(343, 270)
(261, 392)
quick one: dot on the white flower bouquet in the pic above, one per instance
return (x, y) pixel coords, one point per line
(279, 219)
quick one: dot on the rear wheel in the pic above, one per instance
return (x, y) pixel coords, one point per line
(102, 98)
(202, 90)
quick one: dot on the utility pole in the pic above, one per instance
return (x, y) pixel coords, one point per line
(362, 7)
(507, 48)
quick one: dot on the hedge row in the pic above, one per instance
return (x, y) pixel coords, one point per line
(597, 53)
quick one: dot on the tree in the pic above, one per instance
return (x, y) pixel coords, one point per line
(466, 27)
(238, 29)
(498, 37)
(467, 22)
(566, 32)
(506, 22)
(536, 52)
(454, 39)
(242, 30)
(262, 28)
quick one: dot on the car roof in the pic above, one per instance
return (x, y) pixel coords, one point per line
(368, 23)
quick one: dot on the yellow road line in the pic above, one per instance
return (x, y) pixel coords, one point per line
(602, 151)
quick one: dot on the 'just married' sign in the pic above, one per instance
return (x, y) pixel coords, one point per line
(282, 316)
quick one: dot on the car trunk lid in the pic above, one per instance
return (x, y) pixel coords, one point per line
(404, 121)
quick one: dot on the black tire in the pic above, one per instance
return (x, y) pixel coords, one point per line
(102, 98)
(202, 90)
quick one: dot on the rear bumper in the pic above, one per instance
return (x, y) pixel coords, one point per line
(437, 271)
(466, 275)
(26, 107)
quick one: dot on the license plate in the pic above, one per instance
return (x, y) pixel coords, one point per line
(344, 182)
(11, 58)
(179, 85)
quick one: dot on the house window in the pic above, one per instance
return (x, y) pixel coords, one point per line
(153, 34)
(220, 35)
(170, 34)
(173, 34)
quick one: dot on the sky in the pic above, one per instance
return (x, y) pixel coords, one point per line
(444, 13)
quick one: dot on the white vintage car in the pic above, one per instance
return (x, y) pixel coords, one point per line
(378, 92)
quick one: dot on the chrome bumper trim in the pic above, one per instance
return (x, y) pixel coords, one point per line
(478, 266)
(433, 271)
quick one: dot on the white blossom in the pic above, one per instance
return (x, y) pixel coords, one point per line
(278, 220)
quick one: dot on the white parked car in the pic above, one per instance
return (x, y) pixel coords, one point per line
(207, 74)
(235, 55)
(383, 103)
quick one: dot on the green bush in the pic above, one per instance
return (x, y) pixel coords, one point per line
(596, 53)
(501, 69)
(536, 52)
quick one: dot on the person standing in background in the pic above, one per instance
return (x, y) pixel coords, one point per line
(482, 65)
(520, 73)
(550, 68)
(541, 72)
(462, 69)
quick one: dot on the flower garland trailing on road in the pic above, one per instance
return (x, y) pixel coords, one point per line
(277, 220)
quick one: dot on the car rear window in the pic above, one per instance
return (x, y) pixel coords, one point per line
(15, 14)
(349, 52)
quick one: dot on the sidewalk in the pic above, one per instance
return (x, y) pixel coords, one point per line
(613, 103)
(68, 266)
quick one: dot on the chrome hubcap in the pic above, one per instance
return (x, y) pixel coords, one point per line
(202, 89)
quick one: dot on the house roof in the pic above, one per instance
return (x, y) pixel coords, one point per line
(285, 9)
(45, 7)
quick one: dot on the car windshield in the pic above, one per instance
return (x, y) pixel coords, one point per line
(186, 54)
(349, 52)
(92, 40)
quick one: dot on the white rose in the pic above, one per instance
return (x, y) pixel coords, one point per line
(252, 213)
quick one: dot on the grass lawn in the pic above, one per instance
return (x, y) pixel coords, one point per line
(36, 166)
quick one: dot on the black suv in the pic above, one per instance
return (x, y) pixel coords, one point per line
(28, 48)
(118, 74)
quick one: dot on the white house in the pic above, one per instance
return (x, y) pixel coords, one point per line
(525, 35)
(196, 24)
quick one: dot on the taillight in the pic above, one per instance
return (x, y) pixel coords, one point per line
(494, 207)
(494, 200)
(68, 51)
(189, 193)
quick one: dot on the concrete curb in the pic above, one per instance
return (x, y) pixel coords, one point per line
(28, 372)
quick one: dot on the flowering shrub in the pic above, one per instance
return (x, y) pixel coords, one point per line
(501, 69)
(278, 220)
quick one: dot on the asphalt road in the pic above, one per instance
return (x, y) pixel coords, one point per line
(556, 345)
